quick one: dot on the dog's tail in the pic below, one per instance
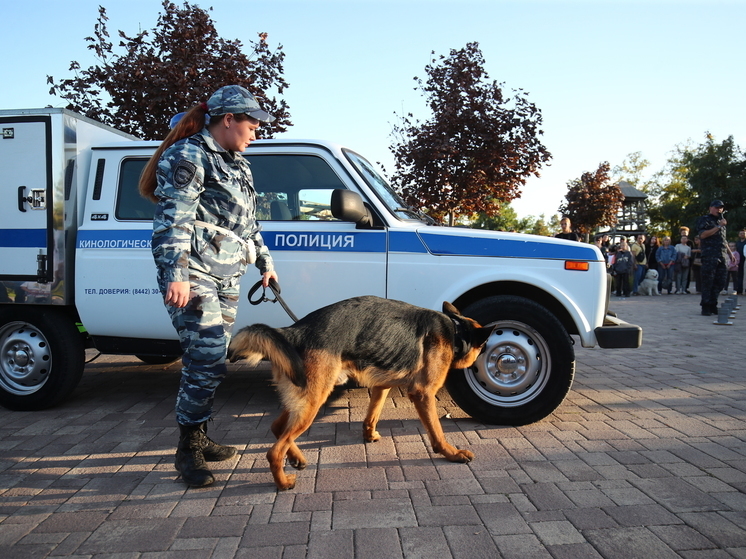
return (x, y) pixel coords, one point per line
(259, 341)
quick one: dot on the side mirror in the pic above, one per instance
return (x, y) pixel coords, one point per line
(349, 206)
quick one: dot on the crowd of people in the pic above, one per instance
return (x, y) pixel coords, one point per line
(694, 262)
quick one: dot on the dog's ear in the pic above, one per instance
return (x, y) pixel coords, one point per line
(448, 308)
(479, 336)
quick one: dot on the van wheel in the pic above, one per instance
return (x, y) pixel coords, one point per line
(526, 368)
(42, 356)
(158, 359)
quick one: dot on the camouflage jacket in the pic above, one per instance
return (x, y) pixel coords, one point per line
(199, 181)
(714, 246)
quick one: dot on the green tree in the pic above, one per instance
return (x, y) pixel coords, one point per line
(717, 171)
(632, 170)
(168, 70)
(554, 224)
(671, 195)
(479, 145)
(507, 220)
(692, 178)
(539, 226)
(592, 201)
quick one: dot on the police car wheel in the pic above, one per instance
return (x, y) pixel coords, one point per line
(526, 368)
(42, 357)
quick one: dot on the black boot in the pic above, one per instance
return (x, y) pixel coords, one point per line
(190, 461)
(212, 451)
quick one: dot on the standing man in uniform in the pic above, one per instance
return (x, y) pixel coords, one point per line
(715, 255)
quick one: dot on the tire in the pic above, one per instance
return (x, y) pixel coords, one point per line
(42, 357)
(158, 359)
(527, 366)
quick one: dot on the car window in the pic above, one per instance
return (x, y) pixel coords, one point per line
(293, 187)
(289, 188)
(130, 205)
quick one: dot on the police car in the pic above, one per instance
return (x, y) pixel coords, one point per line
(76, 269)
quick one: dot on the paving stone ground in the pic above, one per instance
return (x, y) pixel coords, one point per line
(645, 459)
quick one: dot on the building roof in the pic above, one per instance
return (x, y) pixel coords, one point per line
(630, 192)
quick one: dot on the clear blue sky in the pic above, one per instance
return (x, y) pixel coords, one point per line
(611, 76)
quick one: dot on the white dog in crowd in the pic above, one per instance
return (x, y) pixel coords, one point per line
(649, 286)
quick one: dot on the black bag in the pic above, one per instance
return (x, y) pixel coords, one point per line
(623, 263)
(641, 255)
(682, 260)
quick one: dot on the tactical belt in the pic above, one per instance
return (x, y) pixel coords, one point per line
(248, 245)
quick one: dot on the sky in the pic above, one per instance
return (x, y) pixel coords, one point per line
(611, 77)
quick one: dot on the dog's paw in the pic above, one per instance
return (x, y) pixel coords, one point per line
(372, 437)
(287, 483)
(296, 458)
(463, 456)
(298, 464)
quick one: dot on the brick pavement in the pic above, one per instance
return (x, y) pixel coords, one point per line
(645, 459)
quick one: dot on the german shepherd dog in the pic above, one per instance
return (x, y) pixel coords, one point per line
(380, 343)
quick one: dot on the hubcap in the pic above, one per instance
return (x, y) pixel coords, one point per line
(25, 358)
(514, 366)
(21, 358)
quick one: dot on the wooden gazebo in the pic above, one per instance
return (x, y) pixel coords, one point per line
(632, 217)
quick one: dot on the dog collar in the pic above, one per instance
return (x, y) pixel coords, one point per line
(460, 345)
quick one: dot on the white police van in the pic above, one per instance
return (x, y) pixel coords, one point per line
(76, 269)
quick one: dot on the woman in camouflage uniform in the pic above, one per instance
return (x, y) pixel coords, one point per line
(204, 235)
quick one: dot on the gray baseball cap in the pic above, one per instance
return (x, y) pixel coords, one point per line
(237, 100)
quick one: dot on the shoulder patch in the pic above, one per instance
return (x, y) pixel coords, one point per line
(184, 173)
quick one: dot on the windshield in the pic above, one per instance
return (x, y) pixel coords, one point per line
(382, 188)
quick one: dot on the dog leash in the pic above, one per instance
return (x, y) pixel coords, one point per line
(275, 287)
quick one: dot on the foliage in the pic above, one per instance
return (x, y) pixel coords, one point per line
(478, 147)
(507, 220)
(670, 196)
(592, 201)
(632, 169)
(539, 226)
(692, 178)
(717, 171)
(551, 228)
(168, 70)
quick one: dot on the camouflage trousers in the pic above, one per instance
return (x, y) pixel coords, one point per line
(205, 326)
(713, 279)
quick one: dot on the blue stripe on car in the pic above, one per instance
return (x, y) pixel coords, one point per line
(453, 245)
(23, 238)
(348, 241)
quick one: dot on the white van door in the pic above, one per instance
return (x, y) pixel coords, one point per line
(116, 292)
(26, 177)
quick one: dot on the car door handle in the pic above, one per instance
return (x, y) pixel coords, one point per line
(22, 198)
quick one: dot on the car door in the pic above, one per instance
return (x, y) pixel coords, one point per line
(26, 227)
(319, 259)
(116, 291)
